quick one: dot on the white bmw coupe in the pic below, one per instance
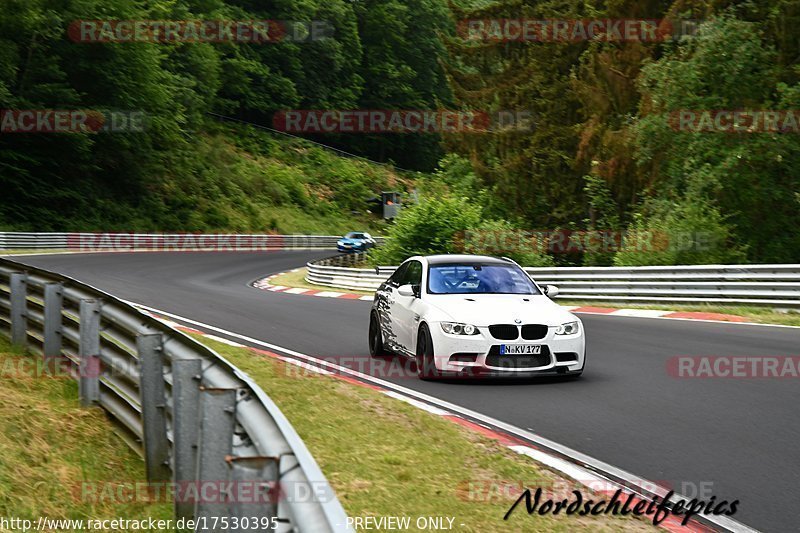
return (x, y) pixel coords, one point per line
(471, 315)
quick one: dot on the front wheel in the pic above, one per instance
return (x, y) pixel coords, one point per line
(426, 367)
(376, 348)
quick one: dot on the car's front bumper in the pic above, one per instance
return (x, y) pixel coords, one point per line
(561, 354)
(348, 249)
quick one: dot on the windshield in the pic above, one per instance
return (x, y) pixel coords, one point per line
(479, 278)
(354, 235)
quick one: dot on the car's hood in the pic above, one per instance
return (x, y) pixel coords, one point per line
(487, 309)
(351, 241)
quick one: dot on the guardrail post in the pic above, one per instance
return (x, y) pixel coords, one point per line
(154, 421)
(185, 427)
(215, 444)
(19, 309)
(53, 303)
(89, 352)
(258, 478)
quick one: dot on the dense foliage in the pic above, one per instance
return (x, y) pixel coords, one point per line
(184, 171)
(602, 154)
(451, 216)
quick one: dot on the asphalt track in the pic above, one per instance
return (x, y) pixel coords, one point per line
(738, 438)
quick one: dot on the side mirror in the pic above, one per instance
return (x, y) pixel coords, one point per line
(408, 290)
(550, 291)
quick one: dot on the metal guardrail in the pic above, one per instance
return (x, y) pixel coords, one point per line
(90, 242)
(335, 272)
(197, 420)
(772, 285)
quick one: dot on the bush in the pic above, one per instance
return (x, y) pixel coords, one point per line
(500, 238)
(430, 226)
(449, 224)
(687, 232)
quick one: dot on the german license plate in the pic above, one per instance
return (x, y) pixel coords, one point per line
(520, 349)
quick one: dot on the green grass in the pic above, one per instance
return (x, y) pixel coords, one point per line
(50, 447)
(765, 315)
(243, 179)
(298, 279)
(289, 186)
(387, 458)
(235, 178)
(382, 456)
(29, 252)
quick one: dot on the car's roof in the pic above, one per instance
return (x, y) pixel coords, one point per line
(463, 258)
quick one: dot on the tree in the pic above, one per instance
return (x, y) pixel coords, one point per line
(745, 181)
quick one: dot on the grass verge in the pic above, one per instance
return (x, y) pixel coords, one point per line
(766, 315)
(298, 279)
(54, 452)
(30, 252)
(382, 456)
(387, 458)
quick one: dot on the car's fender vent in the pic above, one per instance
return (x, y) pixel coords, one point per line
(505, 332)
(532, 332)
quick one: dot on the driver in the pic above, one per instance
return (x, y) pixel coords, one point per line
(503, 280)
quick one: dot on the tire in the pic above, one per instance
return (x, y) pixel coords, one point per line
(426, 369)
(376, 347)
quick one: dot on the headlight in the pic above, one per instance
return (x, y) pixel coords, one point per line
(457, 328)
(570, 328)
(340, 243)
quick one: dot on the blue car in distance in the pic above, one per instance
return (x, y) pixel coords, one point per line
(355, 241)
